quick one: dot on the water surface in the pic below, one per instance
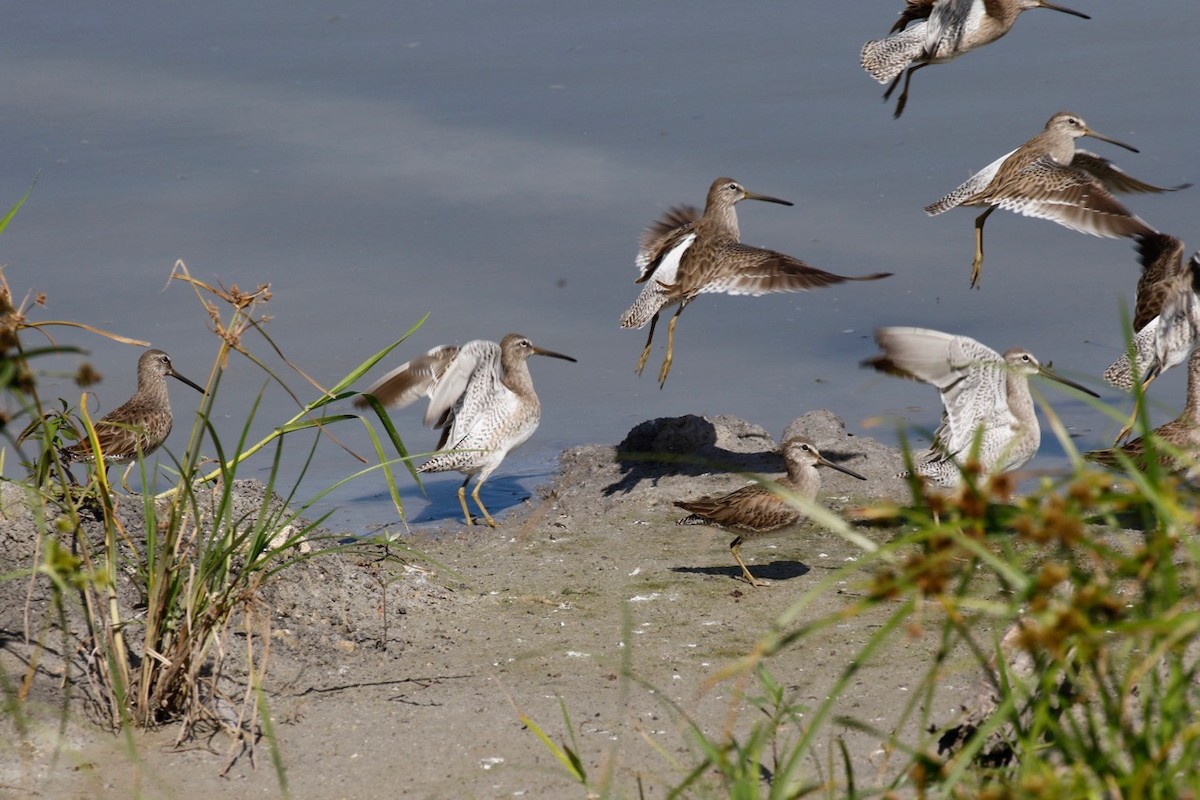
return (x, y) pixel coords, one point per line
(491, 165)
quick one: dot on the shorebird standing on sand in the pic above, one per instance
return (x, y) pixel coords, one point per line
(141, 424)
(1177, 443)
(985, 396)
(756, 510)
(480, 395)
(1166, 315)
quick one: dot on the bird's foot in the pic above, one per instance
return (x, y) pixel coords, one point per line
(662, 373)
(976, 270)
(1123, 434)
(642, 362)
(753, 581)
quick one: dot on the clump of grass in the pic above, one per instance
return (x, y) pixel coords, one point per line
(158, 609)
(1086, 641)
(1084, 637)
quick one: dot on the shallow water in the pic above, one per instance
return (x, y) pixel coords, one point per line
(492, 165)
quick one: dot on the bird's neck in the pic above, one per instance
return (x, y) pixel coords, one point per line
(804, 479)
(1020, 401)
(152, 391)
(720, 223)
(1060, 148)
(517, 378)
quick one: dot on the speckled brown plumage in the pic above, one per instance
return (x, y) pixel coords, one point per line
(683, 255)
(1177, 446)
(1048, 178)
(480, 395)
(1163, 311)
(940, 31)
(757, 510)
(987, 408)
(142, 423)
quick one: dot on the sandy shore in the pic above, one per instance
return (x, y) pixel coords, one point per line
(425, 701)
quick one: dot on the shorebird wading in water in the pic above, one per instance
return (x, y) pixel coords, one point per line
(480, 395)
(684, 255)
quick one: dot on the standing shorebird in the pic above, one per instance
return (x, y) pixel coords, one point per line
(942, 31)
(481, 396)
(1048, 177)
(985, 396)
(141, 424)
(1166, 317)
(1177, 443)
(684, 255)
(756, 510)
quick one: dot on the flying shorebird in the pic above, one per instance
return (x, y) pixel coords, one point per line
(1176, 444)
(1048, 177)
(980, 389)
(942, 31)
(756, 510)
(684, 255)
(141, 424)
(481, 396)
(1166, 317)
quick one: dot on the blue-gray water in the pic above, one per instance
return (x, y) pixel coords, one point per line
(492, 164)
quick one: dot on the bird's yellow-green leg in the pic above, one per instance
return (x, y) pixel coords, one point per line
(1137, 406)
(488, 517)
(977, 264)
(462, 499)
(646, 350)
(666, 366)
(753, 581)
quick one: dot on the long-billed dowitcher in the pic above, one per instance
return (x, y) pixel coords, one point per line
(756, 510)
(684, 255)
(941, 31)
(481, 396)
(1177, 443)
(142, 423)
(1048, 177)
(984, 395)
(1166, 317)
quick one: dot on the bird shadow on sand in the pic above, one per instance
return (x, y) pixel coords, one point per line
(690, 446)
(774, 571)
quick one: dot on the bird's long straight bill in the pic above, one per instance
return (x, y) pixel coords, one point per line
(1063, 9)
(767, 199)
(539, 351)
(846, 470)
(1110, 140)
(1043, 371)
(179, 377)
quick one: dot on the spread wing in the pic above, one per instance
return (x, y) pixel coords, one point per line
(663, 237)
(760, 271)
(1113, 178)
